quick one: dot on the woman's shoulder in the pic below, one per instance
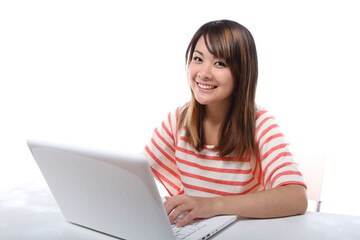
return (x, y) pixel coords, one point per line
(179, 112)
(261, 112)
(263, 117)
(183, 108)
(174, 116)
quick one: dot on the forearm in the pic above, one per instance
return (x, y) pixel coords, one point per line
(278, 202)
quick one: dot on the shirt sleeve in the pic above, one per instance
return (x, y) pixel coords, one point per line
(278, 165)
(160, 153)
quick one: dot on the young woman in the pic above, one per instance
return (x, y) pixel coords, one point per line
(221, 153)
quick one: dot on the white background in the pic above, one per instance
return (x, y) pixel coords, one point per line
(105, 73)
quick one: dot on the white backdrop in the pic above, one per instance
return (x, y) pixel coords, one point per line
(105, 73)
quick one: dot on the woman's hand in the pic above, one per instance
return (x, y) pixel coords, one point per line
(192, 207)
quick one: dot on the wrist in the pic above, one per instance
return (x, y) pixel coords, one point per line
(218, 206)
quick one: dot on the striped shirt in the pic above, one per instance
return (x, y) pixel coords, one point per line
(183, 169)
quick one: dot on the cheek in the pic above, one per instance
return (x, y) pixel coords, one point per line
(227, 80)
(231, 80)
(191, 74)
(191, 71)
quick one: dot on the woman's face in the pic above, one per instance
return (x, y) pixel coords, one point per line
(210, 78)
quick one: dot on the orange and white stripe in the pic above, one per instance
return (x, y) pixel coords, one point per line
(182, 169)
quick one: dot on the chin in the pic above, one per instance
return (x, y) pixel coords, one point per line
(202, 102)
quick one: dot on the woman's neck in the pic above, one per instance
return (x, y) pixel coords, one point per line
(216, 113)
(214, 118)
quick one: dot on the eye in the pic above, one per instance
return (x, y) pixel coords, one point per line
(197, 59)
(221, 64)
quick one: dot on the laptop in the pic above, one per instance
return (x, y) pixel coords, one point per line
(112, 192)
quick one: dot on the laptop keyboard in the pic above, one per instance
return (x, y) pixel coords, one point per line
(190, 228)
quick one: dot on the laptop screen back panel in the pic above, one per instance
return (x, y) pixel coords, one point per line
(121, 191)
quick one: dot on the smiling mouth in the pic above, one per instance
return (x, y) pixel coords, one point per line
(206, 87)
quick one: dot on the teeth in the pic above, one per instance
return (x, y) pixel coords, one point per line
(205, 86)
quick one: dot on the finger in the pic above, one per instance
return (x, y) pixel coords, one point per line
(175, 214)
(164, 201)
(180, 211)
(186, 219)
(171, 203)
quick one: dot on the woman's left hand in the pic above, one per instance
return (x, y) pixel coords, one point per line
(192, 207)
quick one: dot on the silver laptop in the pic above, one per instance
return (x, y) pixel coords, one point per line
(114, 193)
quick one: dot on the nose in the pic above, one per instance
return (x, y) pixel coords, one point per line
(205, 72)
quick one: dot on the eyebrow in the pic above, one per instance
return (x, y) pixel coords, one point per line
(199, 52)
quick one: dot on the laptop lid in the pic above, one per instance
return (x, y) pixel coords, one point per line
(114, 193)
(111, 192)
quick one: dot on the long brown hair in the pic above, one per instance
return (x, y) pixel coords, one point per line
(233, 42)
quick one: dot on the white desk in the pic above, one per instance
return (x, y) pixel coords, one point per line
(30, 212)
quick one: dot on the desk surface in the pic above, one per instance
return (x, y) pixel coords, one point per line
(30, 212)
